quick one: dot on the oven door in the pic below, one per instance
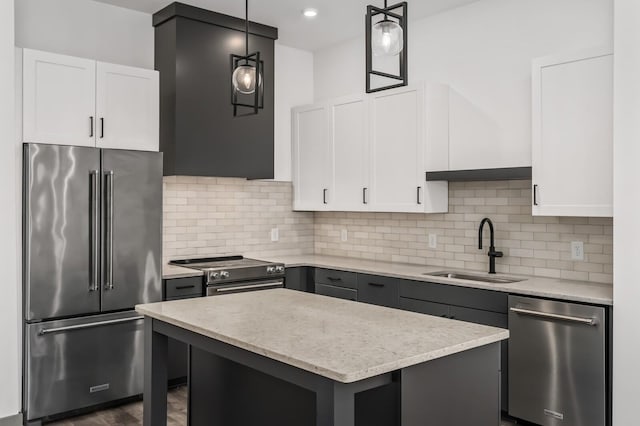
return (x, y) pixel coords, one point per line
(240, 287)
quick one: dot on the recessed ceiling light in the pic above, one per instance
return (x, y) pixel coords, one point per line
(310, 12)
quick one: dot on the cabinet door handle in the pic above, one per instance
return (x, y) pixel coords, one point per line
(324, 196)
(184, 287)
(535, 195)
(418, 195)
(91, 126)
(376, 285)
(364, 195)
(101, 127)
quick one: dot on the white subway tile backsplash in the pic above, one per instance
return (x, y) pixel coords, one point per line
(216, 216)
(220, 216)
(532, 245)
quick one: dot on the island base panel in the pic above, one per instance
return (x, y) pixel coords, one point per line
(459, 389)
(225, 393)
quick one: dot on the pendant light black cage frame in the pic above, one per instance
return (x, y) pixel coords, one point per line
(252, 60)
(401, 18)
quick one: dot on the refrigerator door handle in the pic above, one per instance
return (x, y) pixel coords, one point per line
(45, 331)
(95, 230)
(109, 231)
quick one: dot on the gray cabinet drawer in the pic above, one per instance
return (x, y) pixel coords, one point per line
(179, 288)
(479, 317)
(339, 292)
(336, 278)
(422, 307)
(378, 290)
(486, 300)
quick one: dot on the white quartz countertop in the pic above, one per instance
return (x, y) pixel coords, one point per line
(338, 339)
(577, 291)
(170, 272)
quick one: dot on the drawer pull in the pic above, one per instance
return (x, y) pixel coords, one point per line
(376, 285)
(184, 287)
(334, 279)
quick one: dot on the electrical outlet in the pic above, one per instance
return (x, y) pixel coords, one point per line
(433, 241)
(275, 234)
(577, 250)
(344, 236)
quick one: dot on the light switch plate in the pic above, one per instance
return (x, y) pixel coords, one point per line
(275, 234)
(344, 235)
(433, 241)
(577, 250)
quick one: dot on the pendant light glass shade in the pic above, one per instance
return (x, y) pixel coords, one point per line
(244, 79)
(387, 38)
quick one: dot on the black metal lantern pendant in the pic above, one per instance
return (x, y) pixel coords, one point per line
(386, 35)
(247, 87)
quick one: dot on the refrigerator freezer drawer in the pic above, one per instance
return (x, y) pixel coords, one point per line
(81, 362)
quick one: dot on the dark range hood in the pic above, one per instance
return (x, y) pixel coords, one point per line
(199, 134)
(507, 173)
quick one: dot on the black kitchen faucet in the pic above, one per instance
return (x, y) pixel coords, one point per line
(492, 249)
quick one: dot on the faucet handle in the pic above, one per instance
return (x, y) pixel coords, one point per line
(494, 253)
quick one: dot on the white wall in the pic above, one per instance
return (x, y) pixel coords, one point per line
(484, 52)
(10, 370)
(87, 29)
(293, 87)
(626, 291)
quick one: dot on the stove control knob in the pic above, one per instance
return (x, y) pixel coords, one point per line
(271, 269)
(279, 269)
(224, 274)
(214, 275)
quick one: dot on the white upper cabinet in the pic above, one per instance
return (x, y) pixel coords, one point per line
(75, 101)
(397, 151)
(127, 108)
(311, 158)
(573, 135)
(59, 99)
(350, 152)
(366, 153)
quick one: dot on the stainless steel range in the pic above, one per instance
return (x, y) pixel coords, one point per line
(234, 274)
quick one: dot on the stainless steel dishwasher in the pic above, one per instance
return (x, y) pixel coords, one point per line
(557, 362)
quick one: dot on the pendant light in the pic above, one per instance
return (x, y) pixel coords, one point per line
(246, 76)
(387, 37)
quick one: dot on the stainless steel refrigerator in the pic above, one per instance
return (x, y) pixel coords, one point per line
(92, 250)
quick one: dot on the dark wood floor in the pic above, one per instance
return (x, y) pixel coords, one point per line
(131, 414)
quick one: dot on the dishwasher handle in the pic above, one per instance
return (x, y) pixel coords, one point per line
(558, 317)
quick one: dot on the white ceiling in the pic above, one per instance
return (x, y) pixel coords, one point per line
(337, 20)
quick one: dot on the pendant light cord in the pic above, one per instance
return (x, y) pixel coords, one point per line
(246, 26)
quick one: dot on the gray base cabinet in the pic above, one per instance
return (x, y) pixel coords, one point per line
(339, 284)
(300, 279)
(465, 304)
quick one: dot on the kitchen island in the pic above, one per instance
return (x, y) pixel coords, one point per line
(447, 372)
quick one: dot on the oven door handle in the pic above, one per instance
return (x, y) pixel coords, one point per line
(262, 284)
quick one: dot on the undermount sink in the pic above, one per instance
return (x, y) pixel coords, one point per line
(473, 277)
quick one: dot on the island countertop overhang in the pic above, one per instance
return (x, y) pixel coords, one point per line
(342, 340)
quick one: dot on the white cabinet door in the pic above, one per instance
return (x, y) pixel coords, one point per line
(127, 108)
(59, 99)
(311, 158)
(397, 151)
(350, 149)
(573, 135)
